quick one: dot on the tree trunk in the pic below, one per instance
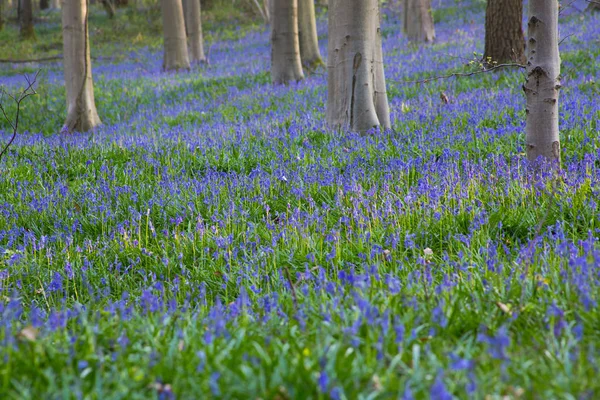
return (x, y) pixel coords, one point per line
(109, 7)
(26, 19)
(2, 2)
(81, 108)
(176, 53)
(44, 4)
(307, 29)
(418, 21)
(543, 81)
(324, 3)
(286, 65)
(55, 4)
(504, 40)
(593, 5)
(193, 27)
(357, 98)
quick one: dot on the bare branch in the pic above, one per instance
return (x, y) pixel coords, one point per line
(18, 99)
(465, 74)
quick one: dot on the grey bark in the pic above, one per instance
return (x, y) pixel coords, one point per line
(175, 42)
(81, 107)
(504, 39)
(193, 28)
(307, 29)
(357, 98)
(26, 20)
(543, 81)
(286, 65)
(418, 21)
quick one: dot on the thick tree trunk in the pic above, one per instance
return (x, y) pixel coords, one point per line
(543, 81)
(193, 28)
(81, 108)
(176, 53)
(357, 97)
(26, 19)
(504, 39)
(286, 65)
(418, 21)
(307, 29)
(109, 7)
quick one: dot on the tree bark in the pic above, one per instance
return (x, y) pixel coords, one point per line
(26, 19)
(55, 4)
(176, 53)
(193, 28)
(504, 39)
(81, 107)
(2, 5)
(357, 98)
(543, 81)
(109, 7)
(286, 65)
(593, 5)
(418, 21)
(307, 29)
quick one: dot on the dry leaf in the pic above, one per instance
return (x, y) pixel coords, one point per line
(504, 307)
(28, 333)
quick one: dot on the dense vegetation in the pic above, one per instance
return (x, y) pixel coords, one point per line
(215, 239)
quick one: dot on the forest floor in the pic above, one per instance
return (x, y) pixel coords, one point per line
(214, 239)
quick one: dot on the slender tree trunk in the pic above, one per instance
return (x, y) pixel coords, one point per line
(504, 39)
(286, 65)
(2, 5)
(357, 97)
(81, 107)
(176, 53)
(593, 5)
(418, 21)
(26, 19)
(193, 27)
(109, 7)
(543, 81)
(44, 4)
(55, 4)
(307, 29)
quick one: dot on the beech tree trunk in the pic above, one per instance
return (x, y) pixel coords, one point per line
(26, 20)
(176, 53)
(357, 98)
(193, 28)
(418, 21)
(286, 65)
(543, 81)
(307, 29)
(504, 39)
(81, 107)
